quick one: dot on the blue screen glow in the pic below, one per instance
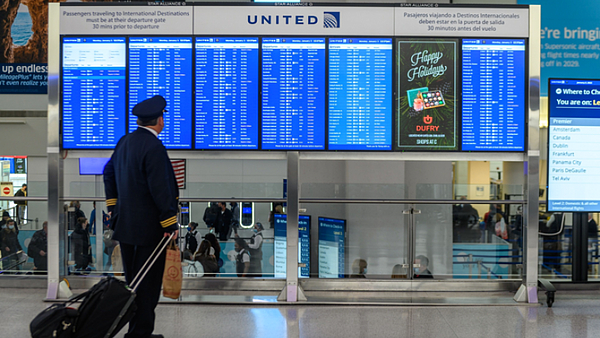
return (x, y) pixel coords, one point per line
(493, 108)
(360, 94)
(226, 93)
(93, 92)
(332, 247)
(163, 66)
(293, 93)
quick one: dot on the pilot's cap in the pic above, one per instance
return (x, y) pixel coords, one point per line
(150, 109)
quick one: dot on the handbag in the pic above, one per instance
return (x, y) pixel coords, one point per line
(172, 276)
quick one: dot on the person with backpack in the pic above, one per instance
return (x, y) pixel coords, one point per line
(210, 214)
(192, 238)
(242, 260)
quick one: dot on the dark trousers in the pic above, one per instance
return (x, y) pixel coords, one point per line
(148, 293)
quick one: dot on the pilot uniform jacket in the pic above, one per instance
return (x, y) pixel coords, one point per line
(141, 190)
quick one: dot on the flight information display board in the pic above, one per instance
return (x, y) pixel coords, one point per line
(93, 92)
(280, 254)
(163, 66)
(226, 93)
(293, 93)
(332, 247)
(360, 94)
(573, 152)
(493, 92)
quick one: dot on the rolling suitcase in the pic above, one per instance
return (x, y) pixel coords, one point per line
(104, 311)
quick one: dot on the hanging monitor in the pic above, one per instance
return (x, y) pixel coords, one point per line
(226, 93)
(163, 66)
(93, 92)
(426, 109)
(493, 95)
(293, 93)
(360, 94)
(573, 152)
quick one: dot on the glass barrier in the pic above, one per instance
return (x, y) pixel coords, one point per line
(24, 247)
(555, 245)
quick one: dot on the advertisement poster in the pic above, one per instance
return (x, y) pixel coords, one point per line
(570, 40)
(425, 105)
(24, 47)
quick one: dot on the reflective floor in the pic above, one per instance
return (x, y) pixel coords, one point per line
(575, 314)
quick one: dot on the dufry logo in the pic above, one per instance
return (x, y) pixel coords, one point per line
(428, 127)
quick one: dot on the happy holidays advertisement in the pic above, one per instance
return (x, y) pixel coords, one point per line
(426, 107)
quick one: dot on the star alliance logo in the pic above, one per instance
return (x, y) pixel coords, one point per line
(331, 19)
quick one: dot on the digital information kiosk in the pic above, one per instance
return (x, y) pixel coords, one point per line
(280, 256)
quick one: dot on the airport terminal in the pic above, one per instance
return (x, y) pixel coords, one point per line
(342, 168)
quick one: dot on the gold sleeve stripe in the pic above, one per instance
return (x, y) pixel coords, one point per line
(177, 197)
(168, 222)
(111, 202)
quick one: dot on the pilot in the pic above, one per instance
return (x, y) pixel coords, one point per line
(141, 197)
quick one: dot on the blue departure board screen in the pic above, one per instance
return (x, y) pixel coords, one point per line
(163, 66)
(93, 92)
(280, 252)
(332, 247)
(226, 93)
(360, 94)
(493, 108)
(293, 93)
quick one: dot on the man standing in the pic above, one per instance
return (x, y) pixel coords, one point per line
(141, 196)
(223, 222)
(37, 249)
(592, 227)
(21, 205)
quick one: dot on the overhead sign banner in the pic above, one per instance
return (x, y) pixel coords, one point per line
(294, 20)
(126, 20)
(465, 22)
(570, 40)
(426, 105)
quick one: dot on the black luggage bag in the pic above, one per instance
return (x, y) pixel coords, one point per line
(104, 311)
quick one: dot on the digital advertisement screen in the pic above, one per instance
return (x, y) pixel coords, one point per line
(93, 92)
(426, 103)
(163, 66)
(360, 94)
(280, 255)
(573, 153)
(227, 93)
(293, 93)
(332, 247)
(493, 95)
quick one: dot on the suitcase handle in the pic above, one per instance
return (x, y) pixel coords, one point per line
(153, 257)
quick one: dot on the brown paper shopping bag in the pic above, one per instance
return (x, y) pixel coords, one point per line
(172, 276)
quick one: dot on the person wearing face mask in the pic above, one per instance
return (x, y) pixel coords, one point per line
(255, 248)
(80, 245)
(359, 268)
(242, 260)
(192, 238)
(422, 271)
(10, 245)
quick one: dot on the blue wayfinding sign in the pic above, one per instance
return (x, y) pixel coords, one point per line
(570, 34)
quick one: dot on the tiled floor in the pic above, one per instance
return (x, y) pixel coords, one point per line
(575, 314)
